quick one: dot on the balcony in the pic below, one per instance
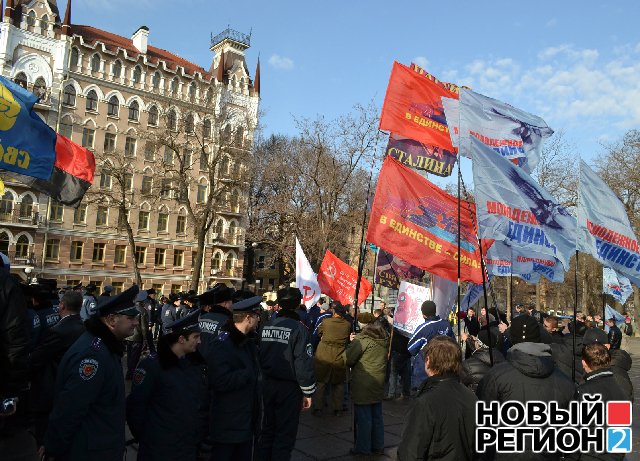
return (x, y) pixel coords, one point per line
(228, 238)
(22, 258)
(233, 35)
(234, 273)
(27, 216)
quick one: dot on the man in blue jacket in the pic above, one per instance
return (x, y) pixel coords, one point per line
(433, 326)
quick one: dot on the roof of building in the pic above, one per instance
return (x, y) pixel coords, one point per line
(112, 42)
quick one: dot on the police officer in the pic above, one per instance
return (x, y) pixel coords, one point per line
(88, 417)
(168, 389)
(89, 302)
(216, 312)
(234, 375)
(169, 310)
(286, 357)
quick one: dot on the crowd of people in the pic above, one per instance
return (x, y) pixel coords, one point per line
(224, 375)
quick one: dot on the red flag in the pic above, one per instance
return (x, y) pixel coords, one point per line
(338, 280)
(413, 108)
(418, 222)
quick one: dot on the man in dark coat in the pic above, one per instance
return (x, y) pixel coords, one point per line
(479, 363)
(399, 366)
(88, 417)
(234, 377)
(615, 335)
(529, 373)
(15, 440)
(165, 400)
(441, 424)
(216, 312)
(565, 356)
(551, 326)
(471, 322)
(141, 338)
(599, 380)
(46, 357)
(620, 362)
(286, 358)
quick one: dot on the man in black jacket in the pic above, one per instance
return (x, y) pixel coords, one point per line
(15, 440)
(441, 424)
(615, 335)
(620, 363)
(566, 356)
(46, 357)
(216, 312)
(88, 416)
(529, 373)
(168, 424)
(479, 363)
(234, 377)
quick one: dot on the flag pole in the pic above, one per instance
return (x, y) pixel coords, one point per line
(373, 292)
(604, 309)
(486, 302)
(459, 268)
(575, 323)
(363, 252)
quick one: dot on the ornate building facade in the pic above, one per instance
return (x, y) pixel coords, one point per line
(113, 95)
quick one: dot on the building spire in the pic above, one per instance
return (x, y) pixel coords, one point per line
(66, 25)
(256, 83)
(220, 74)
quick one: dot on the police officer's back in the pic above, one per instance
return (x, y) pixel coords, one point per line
(234, 375)
(216, 312)
(89, 302)
(286, 356)
(163, 408)
(88, 417)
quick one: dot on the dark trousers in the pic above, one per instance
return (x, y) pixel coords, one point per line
(282, 405)
(400, 367)
(134, 351)
(369, 428)
(232, 451)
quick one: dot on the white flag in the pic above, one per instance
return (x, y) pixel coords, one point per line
(306, 279)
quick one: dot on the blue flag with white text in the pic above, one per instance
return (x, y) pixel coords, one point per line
(512, 207)
(503, 259)
(604, 230)
(616, 285)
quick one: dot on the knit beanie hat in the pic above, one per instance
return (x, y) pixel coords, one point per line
(524, 328)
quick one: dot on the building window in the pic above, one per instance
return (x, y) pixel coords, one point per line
(235, 201)
(95, 63)
(202, 193)
(219, 229)
(128, 181)
(163, 222)
(66, 128)
(31, 18)
(92, 101)
(158, 287)
(69, 96)
(137, 74)
(143, 220)
(134, 111)
(80, 214)
(40, 88)
(22, 247)
(174, 85)
(55, 211)
(117, 69)
(165, 190)
(75, 56)
(109, 142)
(113, 106)
(141, 256)
(178, 258)
(130, 147)
(147, 184)
(76, 250)
(120, 254)
(172, 120)
(150, 151)
(216, 262)
(176, 288)
(98, 252)
(168, 156)
(21, 79)
(155, 80)
(204, 161)
(188, 124)
(87, 137)
(117, 288)
(52, 249)
(181, 224)
(105, 179)
(206, 128)
(187, 159)
(153, 116)
(192, 91)
(6, 206)
(26, 207)
(230, 263)
(159, 257)
(102, 215)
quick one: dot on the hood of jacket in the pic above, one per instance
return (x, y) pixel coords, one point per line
(375, 331)
(532, 359)
(620, 359)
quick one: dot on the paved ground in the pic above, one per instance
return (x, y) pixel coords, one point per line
(331, 438)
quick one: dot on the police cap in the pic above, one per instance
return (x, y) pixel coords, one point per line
(187, 324)
(248, 304)
(218, 294)
(124, 303)
(289, 298)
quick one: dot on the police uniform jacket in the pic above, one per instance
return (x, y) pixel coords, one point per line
(286, 353)
(87, 421)
(168, 314)
(211, 324)
(89, 305)
(164, 406)
(234, 375)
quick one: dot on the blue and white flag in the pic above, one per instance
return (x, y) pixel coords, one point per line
(511, 132)
(474, 291)
(503, 259)
(611, 313)
(604, 230)
(616, 285)
(512, 207)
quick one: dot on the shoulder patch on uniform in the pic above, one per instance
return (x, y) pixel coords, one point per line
(222, 336)
(96, 344)
(138, 376)
(309, 350)
(88, 368)
(167, 313)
